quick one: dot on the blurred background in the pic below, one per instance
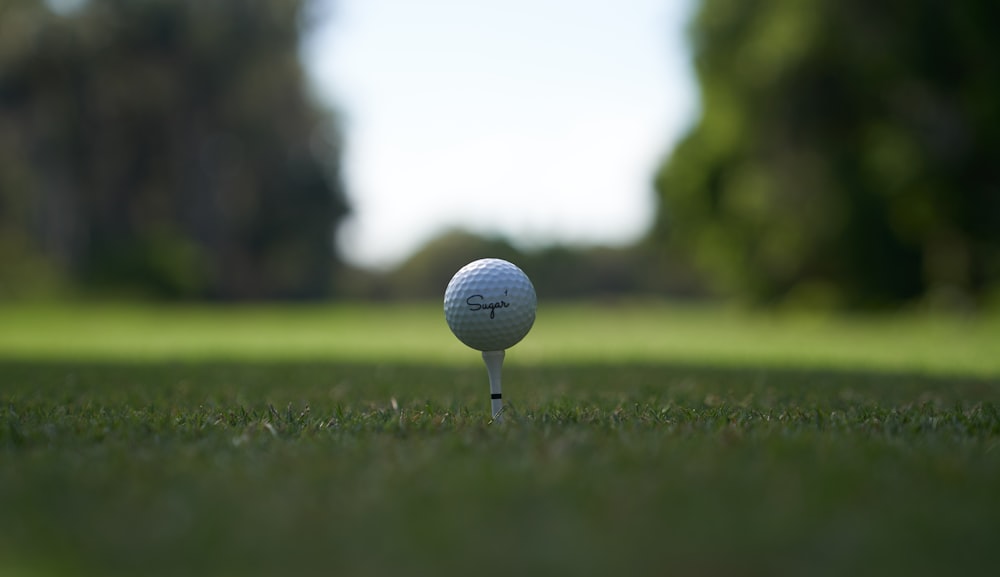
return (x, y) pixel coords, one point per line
(827, 153)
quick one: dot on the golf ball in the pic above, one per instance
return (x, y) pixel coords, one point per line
(490, 304)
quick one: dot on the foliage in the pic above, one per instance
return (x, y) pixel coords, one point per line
(558, 272)
(845, 154)
(263, 469)
(166, 148)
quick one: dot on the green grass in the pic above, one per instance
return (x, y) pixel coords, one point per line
(355, 441)
(563, 334)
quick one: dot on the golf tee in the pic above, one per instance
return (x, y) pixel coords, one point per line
(494, 365)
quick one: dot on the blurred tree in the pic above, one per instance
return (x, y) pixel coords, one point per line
(846, 153)
(166, 148)
(558, 272)
(426, 274)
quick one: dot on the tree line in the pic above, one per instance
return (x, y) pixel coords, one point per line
(846, 153)
(845, 156)
(166, 149)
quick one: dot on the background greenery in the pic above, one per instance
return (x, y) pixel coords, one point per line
(845, 152)
(163, 149)
(844, 158)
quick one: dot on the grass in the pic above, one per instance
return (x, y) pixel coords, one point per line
(588, 334)
(355, 441)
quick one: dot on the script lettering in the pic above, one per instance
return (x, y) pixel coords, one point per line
(475, 303)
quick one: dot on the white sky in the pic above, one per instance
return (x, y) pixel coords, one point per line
(542, 120)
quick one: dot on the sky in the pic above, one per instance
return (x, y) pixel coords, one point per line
(539, 120)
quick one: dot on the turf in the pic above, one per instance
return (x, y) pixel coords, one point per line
(568, 334)
(175, 462)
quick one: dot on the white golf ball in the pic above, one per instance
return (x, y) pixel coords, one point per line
(490, 304)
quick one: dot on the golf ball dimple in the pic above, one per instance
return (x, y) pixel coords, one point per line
(490, 304)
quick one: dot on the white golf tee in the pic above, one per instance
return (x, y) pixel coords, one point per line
(494, 364)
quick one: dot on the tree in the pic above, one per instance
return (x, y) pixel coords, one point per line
(558, 272)
(846, 151)
(167, 148)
